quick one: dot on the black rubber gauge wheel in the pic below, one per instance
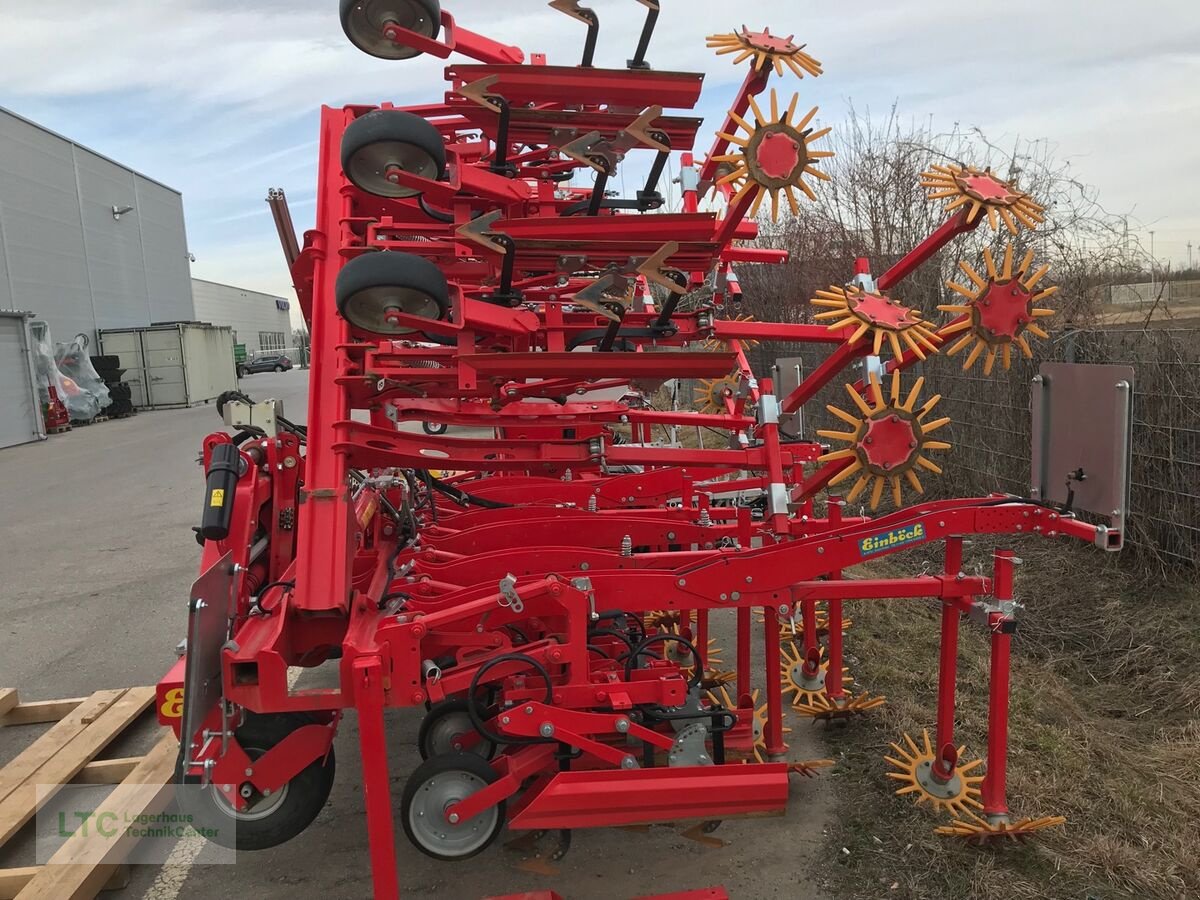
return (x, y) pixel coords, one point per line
(372, 288)
(270, 819)
(364, 22)
(437, 784)
(384, 140)
(442, 728)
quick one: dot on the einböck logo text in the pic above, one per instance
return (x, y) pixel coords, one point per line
(888, 540)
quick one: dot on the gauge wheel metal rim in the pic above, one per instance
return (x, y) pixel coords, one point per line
(363, 20)
(426, 816)
(263, 809)
(439, 735)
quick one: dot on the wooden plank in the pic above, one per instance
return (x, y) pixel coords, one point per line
(19, 806)
(13, 881)
(16, 772)
(79, 868)
(8, 699)
(39, 711)
(107, 771)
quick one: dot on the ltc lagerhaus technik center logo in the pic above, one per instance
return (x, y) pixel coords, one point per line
(889, 540)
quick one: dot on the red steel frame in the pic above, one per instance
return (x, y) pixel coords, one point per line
(582, 522)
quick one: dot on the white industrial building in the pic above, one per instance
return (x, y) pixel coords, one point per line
(259, 321)
(86, 243)
(90, 246)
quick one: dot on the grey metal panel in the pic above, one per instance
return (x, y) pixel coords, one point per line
(20, 413)
(168, 273)
(127, 346)
(165, 373)
(1081, 440)
(114, 246)
(42, 228)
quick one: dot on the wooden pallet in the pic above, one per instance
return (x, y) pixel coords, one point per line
(67, 754)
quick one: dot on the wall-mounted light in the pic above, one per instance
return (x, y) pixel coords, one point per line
(191, 257)
(119, 211)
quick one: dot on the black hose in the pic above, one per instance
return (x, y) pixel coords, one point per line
(462, 497)
(256, 600)
(476, 717)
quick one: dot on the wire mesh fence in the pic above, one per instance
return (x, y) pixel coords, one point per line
(991, 423)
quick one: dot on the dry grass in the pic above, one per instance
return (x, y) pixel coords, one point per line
(1106, 695)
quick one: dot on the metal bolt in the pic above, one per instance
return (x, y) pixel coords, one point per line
(622, 725)
(820, 550)
(736, 595)
(529, 710)
(724, 596)
(682, 582)
(505, 720)
(671, 535)
(784, 611)
(749, 579)
(249, 772)
(453, 818)
(628, 762)
(546, 729)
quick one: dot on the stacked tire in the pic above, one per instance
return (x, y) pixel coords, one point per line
(110, 371)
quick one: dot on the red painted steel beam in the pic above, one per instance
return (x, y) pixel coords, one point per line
(606, 798)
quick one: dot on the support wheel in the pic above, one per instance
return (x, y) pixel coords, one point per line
(375, 288)
(270, 820)
(437, 784)
(434, 428)
(383, 142)
(365, 23)
(447, 728)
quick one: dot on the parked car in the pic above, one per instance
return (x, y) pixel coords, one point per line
(275, 362)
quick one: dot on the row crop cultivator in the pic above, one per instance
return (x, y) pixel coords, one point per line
(543, 586)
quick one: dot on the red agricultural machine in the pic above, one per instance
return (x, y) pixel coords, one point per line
(538, 568)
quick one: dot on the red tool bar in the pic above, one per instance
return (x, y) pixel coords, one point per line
(946, 232)
(589, 87)
(774, 331)
(755, 83)
(599, 365)
(753, 255)
(823, 374)
(642, 796)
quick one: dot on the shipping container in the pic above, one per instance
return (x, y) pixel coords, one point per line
(177, 365)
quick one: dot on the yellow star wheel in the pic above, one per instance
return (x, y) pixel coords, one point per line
(998, 311)
(767, 50)
(823, 707)
(875, 312)
(758, 724)
(915, 765)
(889, 440)
(773, 157)
(803, 682)
(712, 392)
(984, 192)
(978, 830)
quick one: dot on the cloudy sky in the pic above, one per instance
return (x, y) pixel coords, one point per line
(219, 98)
